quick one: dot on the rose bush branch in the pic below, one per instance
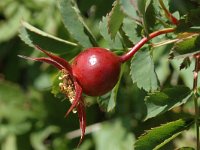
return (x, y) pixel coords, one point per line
(171, 18)
(133, 50)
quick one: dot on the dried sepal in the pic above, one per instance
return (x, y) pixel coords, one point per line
(68, 86)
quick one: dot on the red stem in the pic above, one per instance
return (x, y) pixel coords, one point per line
(168, 14)
(130, 54)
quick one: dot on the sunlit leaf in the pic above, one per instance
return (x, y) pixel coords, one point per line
(115, 19)
(129, 8)
(131, 30)
(157, 137)
(75, 23)
(33, 36)
(143, 71)
(160, 102)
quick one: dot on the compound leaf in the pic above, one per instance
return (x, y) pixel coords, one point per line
(75, 24)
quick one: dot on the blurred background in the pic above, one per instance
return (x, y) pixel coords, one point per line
(31, 118)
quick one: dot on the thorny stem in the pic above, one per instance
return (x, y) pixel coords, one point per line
(196, 98)
(129, 54)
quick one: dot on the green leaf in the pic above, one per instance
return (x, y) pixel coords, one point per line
(31, 35)
(190, 22)
(160, 102)
(143, 5)
(187, 46)
(113, 44)
(159, 136)
(113, 136)
(129, 8)
(9, 28)
(186, 148)
(185, 74)
(115, 19)
(38, 138)
(11, 102)
(75, 24)
(143, 71)
(107, 102)
(186, 63)
(14, 128)
(131, 30)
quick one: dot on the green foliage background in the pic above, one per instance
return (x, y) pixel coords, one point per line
(32, 118)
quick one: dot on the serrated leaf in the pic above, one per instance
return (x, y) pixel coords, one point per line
(129, 8)
(107, 102)
(113, 44)
(115, 19)
(131, 30)
(75, 24)
(159, 136)
(186, 63)
(143, 71)
(160, 102)
(31, 35)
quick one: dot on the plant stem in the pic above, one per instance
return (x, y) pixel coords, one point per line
(168, 14)
(129, 54)
(195, 81)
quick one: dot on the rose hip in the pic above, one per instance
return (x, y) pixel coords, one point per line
(97, 70)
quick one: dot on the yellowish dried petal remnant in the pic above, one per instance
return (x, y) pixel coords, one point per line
(67, 86)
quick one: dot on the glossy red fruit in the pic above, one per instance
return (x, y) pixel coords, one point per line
(97, 70)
